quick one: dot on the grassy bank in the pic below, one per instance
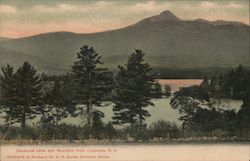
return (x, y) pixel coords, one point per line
(161, 132)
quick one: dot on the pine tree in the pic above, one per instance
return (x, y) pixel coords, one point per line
(28, 94)
(157, 90)
(55, 108)
(8, 93)
(167, 90)
(134, 89)
(91, 82)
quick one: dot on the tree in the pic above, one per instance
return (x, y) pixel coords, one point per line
(8, 93)
(98, 125)
(200, 109)
(91, 82)
(200, 106)
(28, 94)
(244, 112)
(167, 90)
(20, 93)
(244, 118)
(55, 108)
(134, 89)
(235, 83)
(184, 100)
(157, 90)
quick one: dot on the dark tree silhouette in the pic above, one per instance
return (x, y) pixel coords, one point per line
(235, 83)
(28, 86)
(167, 90)
(134, 90)
(244, 112)
(56, 104)
(157, 90)
(8, 94)
(25, 92)
(91, 82)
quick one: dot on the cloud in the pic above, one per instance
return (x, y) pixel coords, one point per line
(67, 7)
(147, 6)
(103, 7)
(235, 5)
(7, 9)
(214, 5)
(59, 8)
(112, 8)
(207, 5)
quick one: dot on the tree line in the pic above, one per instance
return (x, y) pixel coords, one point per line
(25, 94)
(201, 107)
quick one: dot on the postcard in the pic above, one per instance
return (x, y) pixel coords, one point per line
(121, 80)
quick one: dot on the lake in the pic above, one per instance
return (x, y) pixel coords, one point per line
(162, 109)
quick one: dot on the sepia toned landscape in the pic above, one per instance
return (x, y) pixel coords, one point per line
(138, 75)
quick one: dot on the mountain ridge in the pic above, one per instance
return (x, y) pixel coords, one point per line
(168, 41)
(163, 16)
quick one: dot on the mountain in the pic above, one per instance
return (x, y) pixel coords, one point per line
(220, 22)
(163, 17)
(4, 39)
(168, 41)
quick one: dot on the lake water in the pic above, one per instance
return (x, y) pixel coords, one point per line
(162, 109)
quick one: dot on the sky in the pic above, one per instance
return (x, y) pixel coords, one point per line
(21, 18)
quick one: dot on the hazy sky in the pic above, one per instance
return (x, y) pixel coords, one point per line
(19, 18)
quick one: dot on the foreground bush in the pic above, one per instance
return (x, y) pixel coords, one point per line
(134, 133)
(159, 131)
(164, 129)
(20, 133)
(59, 132)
